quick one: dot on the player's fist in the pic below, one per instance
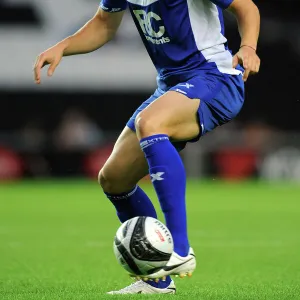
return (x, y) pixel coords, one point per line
(51, 57)
(248, 58)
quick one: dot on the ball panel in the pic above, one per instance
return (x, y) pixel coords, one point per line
(158, 235)
(125, 259)
(125, 228)
(140, 246)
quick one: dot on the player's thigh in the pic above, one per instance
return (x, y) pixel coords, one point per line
(125, 166)
(173, 114)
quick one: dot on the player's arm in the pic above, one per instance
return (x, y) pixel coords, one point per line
(248, 18)
(94, 34)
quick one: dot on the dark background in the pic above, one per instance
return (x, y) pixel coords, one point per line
(272, 96)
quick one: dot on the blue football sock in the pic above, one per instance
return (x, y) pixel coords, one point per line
(132, 204)
(169, 180)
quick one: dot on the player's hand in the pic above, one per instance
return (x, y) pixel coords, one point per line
(51, 57)
(248, 58)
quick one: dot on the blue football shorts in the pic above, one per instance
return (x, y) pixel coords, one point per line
(221, 99)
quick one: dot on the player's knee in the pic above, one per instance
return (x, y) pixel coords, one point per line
(148, 125)
(106, 181)
(101, 178)
(112, 183)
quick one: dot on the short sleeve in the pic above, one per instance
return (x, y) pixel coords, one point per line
(222, 3)
(113, 5)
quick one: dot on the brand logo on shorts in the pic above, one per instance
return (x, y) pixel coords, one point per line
(157, 176)
(181, 91)
(187, 85)
(146, 20)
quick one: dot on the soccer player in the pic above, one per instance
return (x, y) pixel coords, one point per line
(200, 86)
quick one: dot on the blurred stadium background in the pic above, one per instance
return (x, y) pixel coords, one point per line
(54, 129)
(63, 131)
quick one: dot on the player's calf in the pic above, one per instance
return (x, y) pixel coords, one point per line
(125, 166)
(120, 174)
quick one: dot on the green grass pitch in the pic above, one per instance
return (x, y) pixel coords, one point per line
(56, 242)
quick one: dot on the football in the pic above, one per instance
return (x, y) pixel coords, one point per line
(143, 245)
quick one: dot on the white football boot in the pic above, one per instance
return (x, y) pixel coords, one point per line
(177, 265)
(141, 287)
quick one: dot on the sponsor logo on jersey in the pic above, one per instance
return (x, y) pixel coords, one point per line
(145, 18)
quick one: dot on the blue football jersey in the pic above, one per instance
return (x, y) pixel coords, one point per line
(181, 36)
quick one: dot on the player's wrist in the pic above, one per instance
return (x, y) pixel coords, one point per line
(64, 45)
(248, 46)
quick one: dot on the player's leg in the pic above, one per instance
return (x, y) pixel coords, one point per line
(177, 116)
(174, 117)
(124, 168)
(118, 178)
(120, 175)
